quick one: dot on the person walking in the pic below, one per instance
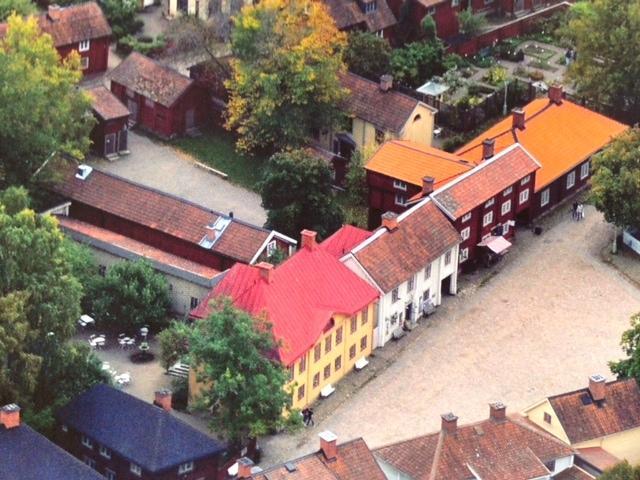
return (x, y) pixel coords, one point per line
(580, 212)
(574, 211)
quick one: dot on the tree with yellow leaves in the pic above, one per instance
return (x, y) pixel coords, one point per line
(284, 84)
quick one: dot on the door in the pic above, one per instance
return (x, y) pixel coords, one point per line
(190, 119)
(132, 105)
(110, 144)
(123, 140)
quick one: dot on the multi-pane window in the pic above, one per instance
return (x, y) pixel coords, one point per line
(105, 452)
(544, 197)
(194, 302)
(317, 352)
(365, 316)
(571, 180)
(89, 461)
(337, 365)
(327, 344)
(427, 272)
(87, 442)
(110, 474)
(524, 196)
(188, 466)
(584, 170)
(487, 219)
(400, 185)
(363, 343)
(464, 254)
(394, 295)
(339, 336)
(466, 217)
(547, 417)
(507, 191)
(489, 203)
(316, 380)
(135, 469)
(411, 283)
(352, 352)
(400, 199)
(465, 233)
(447, 258)
(327, 372)
(506, 207)
(84, 62)
(300, 392)
(354, 324)
(84, 45)
(525, 180)
(302, 366)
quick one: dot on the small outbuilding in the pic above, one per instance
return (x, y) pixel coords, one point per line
(110, 134)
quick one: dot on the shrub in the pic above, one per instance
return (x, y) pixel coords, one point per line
(536, 75)
(145, 45)
(496, 75)
(471, 24)
(453, 142)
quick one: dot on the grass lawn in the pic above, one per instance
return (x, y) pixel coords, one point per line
(216, 148)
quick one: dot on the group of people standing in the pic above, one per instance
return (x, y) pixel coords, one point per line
(578, 211)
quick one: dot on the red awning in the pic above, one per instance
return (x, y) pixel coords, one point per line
(497, 244)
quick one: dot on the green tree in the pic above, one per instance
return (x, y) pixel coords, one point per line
(284, 84)
(470, 23)
(630, 366)
(296, 190)
(15, 199)
(607, 67)
(174, 343)
(243, 384)
(428, 26)
(19, 7)
(130, 296)
(417, 62)
(44, 116)
(83, 267)
(367, 55)
(622, 471)
(122, 16)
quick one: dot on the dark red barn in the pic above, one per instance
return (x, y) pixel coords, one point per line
(159, 98)
(110, 135)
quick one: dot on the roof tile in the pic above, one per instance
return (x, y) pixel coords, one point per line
(348, 15)
(106, 104)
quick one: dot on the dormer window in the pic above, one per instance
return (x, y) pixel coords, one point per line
(368, 6)
(84, 45)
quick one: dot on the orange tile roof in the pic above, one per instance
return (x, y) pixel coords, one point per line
(560, 137)
(410, 162)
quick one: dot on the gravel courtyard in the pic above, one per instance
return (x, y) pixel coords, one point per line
(549, 318)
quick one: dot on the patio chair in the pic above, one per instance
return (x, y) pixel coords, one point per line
(122, 341)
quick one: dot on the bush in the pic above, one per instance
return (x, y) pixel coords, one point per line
(470, 23)
(496, 76)
(536, 75)
(174, 343)
(180, 390)
(122, 17)
(483, 61)
(145, 45)
(453, 142)
(509, 51)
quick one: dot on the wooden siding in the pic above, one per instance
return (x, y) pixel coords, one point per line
(98, 54)
(382, 195)
(102, 129)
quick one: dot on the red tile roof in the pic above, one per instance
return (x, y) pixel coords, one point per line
(574, 473)
(105, 104)
(148, 78)
(620, 411)
(492, 450)
(560, 137)
(354, 462)
(160, 211)
(485, 181)
(388, 111)
(82, 231)
(347, 14)
(342, 241)
(423, 235)
(72, 24)
(304, 292)
(411, 162)
(598, 457)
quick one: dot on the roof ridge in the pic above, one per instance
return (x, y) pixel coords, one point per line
(523, 423)
(436, 456)
(611, 382)
(393, 90)
(405, 144)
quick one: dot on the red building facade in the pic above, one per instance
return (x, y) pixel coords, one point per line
(110, 134)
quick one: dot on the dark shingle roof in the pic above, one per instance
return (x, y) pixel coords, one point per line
(347, 14)
(105, 104)
(147, 77)
(585, 420)
(138, 431)
(27, 455)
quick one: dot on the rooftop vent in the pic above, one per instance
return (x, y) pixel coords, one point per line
(83, 171)
(290, 467)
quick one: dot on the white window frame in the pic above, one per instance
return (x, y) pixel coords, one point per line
(506, 207)
(524, 196)
(465, 233)
(584, 170)
(505, 228)
(64, 428)
(507, 191)
(109, 474)
(525, 180)
(400, 185)
(380, 34)
(447, 258)
(571, 180)
(104, 452)
(411, 283)
(490, 203)
(395, 295)
(464, 255)
(427, 272)
(185, 468)
(487, 219)
(90, 462)
(466, 217)
(431, 10)
(271, 247)
(87, 442)
(84, 45)
(400, 200)
(135, 469)
(545, 196)
(84, 62)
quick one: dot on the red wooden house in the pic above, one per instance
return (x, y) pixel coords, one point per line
(110, 134)
(484, 203)
(159, 98)
(82, 28)
(372, 16)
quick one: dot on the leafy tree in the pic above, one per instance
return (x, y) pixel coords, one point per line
(244, 385)
(417, 62)
(630, 366)
(470, 23)
(43, 114)
(622, 471)
(607, 67)
(83, 267)
(122, 16)
(428, 26)
(296, 190)
(130, 296)
(284, 84)
(174, 343)
(19, 7)
(367, 55)
(15, 199)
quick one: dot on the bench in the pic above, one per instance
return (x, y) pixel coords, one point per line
(327, 390)
(361, 363)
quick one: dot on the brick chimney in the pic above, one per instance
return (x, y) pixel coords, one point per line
(328, 445)
(556, 92)
(518, 118)
(386, 83)
(449, 423)
(390, 221)
(488, 148)
(244, 467)
(53, 12)
(10, 416)
(497, 411)
(597, 387)
(427, 185)
(308, 239)
(266, 271)
(163, 399)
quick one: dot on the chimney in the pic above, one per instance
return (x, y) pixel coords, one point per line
(518, 118)
(390, 221)
(308, 239)
(328, 445)
(597, 387)
(53, 12)
(488, 147)
(10, 416)
(497, 411)
(230, 214)
(449, 423)
(266, 271)
(556, 93)
(427, 185)
(163, 399)
(244, 467)
(386, 83)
